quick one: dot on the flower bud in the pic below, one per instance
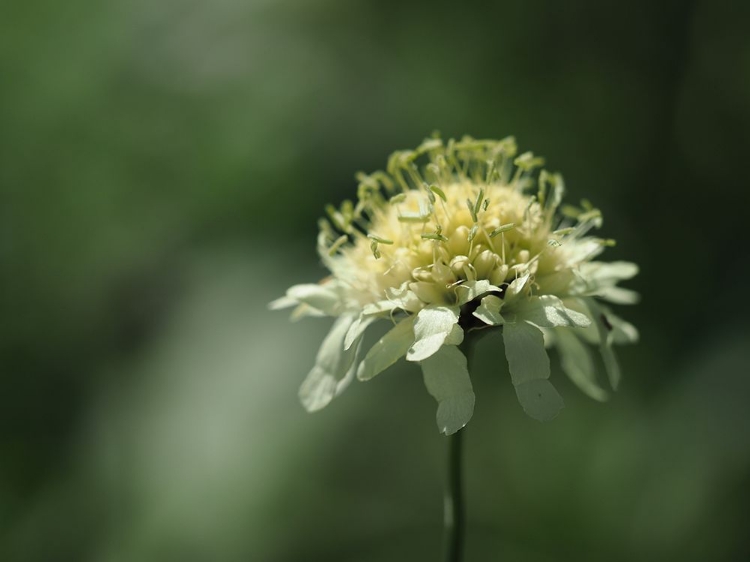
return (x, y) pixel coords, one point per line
(484, 263)
(458, 264)
(498, 275)
(458, 242)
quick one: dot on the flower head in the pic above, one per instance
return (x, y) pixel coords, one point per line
(457, 237)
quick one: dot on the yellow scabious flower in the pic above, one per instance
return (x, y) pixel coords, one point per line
(457, 237)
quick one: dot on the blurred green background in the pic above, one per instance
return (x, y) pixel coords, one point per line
(162, 167)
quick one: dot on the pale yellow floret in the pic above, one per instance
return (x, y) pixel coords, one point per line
(477, 221)
(437, 245)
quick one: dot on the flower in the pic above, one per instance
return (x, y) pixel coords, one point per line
(459, 237)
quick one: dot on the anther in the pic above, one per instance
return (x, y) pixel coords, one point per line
(379, 239)
(470, 206)
(439, 192)
(502, 228)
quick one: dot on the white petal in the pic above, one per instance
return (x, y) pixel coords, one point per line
(334, 368)
(524, 349)
(556, 283)
(590, 333)
(489, 311)
(609, 273)
(357, 329)
(434, 324)
(582, 250)
(379, 307)
(303, 311)
(282, 302)
(388, 349)
(605, 343)
(618, 295)
(539, 399)
(599, 279)
(404, 298)
(548, 311)
(623, 332)
(428, 292)
(577, 363)
(611, 365)
(447, 379)
(324, 298)
(456, 337)
(515, 287)
(470, 290)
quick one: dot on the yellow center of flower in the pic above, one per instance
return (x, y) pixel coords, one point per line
(437, 246)
(465, 216)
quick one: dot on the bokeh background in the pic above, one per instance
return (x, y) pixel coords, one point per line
(162, 167)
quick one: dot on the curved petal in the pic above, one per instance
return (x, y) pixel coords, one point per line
(604, 329)
(357, 329)
(623, 332)
(577, 363)
(548, 311)
(524, 349)
(334, 368)
(456, 337)
(470, 290)
(529, 370)
(609, 273)
(488, 310)
(618, 295)
(322, 298)
(446, 377)
(539, 399)
(387, 350)
(433, 325)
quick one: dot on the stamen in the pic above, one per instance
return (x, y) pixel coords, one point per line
(589, 215)
(542, 193)
(470, 206)
(374, 248)
(439, 192)
(340, 241)
(472, 234)
(490, 170)
(385, 179)
(478, 204)
(413, 218)
(411, 168)
(434, 236)
(379, 239)
(527, 212)
(325, 227)
(558, 190)
(570, 211)
(564, 231)
(503, 228)
(528, 162)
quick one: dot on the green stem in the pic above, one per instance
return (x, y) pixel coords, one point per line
(453, 506)
(454, 501)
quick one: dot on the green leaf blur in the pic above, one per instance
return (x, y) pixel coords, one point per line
(163, 165)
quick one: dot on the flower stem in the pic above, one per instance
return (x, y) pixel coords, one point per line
(454, 501)
(453, 504)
